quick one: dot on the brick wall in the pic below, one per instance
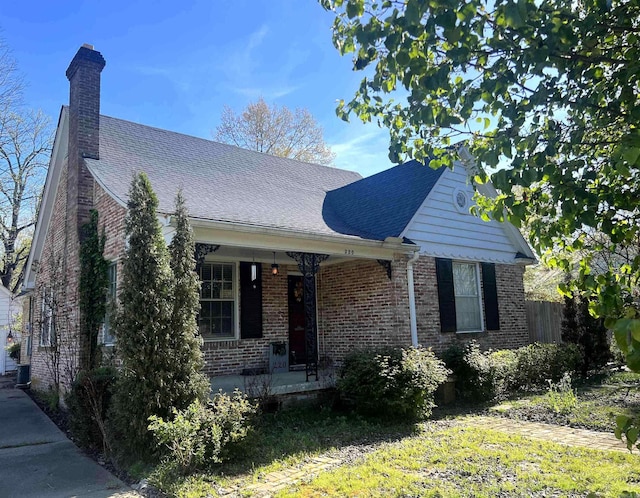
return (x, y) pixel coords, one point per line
(358, 306)
(57, 273)
(231, 357)
(513, 331)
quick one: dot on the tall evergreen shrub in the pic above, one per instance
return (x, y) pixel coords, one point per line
(587, 332)
(189, 383)
(143, 327)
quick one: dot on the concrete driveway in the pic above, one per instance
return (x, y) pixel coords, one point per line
(38, 460)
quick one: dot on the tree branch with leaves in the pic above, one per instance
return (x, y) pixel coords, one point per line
(547, 94)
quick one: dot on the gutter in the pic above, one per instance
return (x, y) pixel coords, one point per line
(412, 299)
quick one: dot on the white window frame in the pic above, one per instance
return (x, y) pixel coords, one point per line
(476, 265)
(236, 299)
(47, 324)
(112, 297)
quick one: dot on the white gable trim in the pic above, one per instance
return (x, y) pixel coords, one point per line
(56, 162)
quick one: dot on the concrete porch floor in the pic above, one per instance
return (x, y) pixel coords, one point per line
(273, 384)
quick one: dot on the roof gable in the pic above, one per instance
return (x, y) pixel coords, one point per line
(443, 228)
(380, 205)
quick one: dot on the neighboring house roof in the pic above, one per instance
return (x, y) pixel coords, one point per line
(220, 182)
(381, 205)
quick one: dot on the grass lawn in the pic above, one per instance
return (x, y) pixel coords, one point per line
(599, 401)
(467, 461)
(436, 458)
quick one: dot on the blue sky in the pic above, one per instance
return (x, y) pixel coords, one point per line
(175, 64)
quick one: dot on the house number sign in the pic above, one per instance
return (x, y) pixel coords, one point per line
(349, 252)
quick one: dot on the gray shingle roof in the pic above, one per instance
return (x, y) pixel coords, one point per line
(380, 205)
(220, 182)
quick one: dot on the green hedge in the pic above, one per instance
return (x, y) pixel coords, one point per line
(486, 376)
(391, 383)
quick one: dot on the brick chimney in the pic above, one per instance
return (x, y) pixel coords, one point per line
(84, 128)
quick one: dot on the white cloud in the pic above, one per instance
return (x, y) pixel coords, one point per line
(268, 94)
(239, 63)
(364, 149)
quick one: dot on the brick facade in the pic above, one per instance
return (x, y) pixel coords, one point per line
(359, 307)
(513, 331)
(358, 304)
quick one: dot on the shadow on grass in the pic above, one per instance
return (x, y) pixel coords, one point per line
(309, 429)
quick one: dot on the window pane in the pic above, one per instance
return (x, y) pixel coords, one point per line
(206, 290)
(226, 309)
(464, 279)
(217, 305)
(465, 283)
(468, 313)
(226, 327)
(215, 290)
(228, 273)
(217, 272)
(206, 272)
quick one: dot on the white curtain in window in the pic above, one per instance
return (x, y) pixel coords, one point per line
(465, 284)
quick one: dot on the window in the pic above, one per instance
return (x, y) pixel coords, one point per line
(466, 287)
(108, 336)
(217, 300)
(459, 300)
(47, 319)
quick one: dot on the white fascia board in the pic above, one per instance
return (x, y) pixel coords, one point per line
(58, 154)
(249, 236)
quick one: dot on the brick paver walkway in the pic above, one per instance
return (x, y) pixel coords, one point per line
(555, 433)
(275, 481)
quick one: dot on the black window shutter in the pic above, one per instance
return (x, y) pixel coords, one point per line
(446, 295)
(250, 302)
(490, 294)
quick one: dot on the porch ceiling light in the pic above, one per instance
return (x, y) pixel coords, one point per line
(274, 266)
(9, 337)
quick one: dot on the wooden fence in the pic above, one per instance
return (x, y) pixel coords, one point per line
(545, 321)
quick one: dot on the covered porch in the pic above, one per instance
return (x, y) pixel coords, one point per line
(282, 289)
(263, 384)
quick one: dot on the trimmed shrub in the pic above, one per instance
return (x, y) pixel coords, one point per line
(393, 383)
(504, 368)
(88, 402)
(540, 363)
(486, 376)
(472, 370)
(202, 435)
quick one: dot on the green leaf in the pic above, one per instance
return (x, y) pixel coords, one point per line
(632, 436)
(631, 155)
(634, 328)
(512, 16)
(355, 8)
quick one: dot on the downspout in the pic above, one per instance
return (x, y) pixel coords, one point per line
(412, 299)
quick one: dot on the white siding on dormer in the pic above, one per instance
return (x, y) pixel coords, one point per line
(442, 231)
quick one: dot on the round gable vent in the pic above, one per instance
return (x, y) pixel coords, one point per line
(461, 200)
